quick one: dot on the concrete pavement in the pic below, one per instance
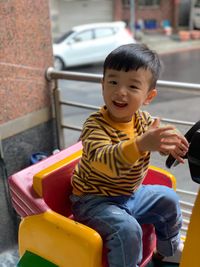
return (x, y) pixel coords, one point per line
(164, 44)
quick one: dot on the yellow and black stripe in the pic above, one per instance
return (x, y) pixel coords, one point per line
(111, 164)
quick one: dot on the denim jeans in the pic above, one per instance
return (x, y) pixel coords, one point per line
(118, 220)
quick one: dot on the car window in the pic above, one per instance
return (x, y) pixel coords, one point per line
(103, 32)
(83, 36)
(63, 37)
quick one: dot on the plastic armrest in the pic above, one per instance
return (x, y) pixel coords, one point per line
(53, 236)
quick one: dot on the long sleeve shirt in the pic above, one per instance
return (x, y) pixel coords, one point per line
(111, 164)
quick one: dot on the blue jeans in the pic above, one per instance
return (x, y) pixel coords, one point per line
(118, 220)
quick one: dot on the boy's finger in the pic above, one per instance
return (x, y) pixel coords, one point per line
(169, 129)
(155, 123)
(177, 157)
(184, 141)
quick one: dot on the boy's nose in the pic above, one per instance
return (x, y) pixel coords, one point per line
(122, 90)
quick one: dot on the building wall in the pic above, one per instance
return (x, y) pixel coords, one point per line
(25, 54)
(160, 13)
(26, 124)
(66, 14)
(168, 10)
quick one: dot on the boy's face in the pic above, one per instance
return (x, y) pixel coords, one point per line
(125, 92)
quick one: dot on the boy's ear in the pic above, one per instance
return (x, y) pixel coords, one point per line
(153, 93)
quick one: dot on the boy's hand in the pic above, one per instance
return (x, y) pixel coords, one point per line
(165, 139)
(179, 152)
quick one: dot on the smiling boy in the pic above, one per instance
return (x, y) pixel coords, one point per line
(108, 194)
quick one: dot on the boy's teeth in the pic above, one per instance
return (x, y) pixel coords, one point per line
(121, 104)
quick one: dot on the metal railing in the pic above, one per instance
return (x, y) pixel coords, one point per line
(53, 75)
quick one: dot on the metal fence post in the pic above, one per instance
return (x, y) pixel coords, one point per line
(58, 116)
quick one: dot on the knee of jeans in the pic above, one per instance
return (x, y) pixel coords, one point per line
(132, 231)
(170, 201)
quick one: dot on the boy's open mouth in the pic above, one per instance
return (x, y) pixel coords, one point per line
(120, 104)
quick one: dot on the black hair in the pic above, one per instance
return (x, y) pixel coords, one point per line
(133, 57)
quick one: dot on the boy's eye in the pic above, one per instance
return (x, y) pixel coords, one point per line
(112, 82)
(133, 87)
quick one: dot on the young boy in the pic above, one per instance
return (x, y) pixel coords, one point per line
(108, 194)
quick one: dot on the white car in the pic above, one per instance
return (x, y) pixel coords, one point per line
(90, 43)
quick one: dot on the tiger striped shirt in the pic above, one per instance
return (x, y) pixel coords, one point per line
(111, 164)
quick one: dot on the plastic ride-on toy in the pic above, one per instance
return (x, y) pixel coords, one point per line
(48, 234)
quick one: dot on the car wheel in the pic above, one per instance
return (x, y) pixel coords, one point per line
(58, 63)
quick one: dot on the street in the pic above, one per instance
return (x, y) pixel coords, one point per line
(180, 105)
(183, 66)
